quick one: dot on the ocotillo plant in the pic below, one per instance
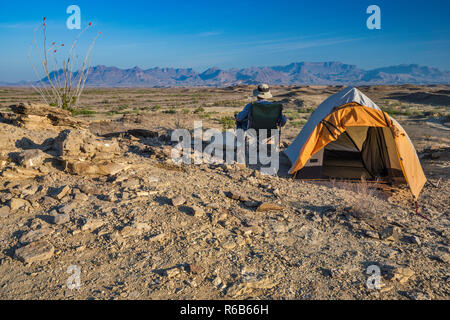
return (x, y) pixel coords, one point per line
(60, 85)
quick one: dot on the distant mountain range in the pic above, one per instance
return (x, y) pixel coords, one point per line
(311, 73)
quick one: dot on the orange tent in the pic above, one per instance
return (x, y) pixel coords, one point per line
(349, 136)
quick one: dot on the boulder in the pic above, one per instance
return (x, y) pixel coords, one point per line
(81, 144)
(31, 158)
(40, 115)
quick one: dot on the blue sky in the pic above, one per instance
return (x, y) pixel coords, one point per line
(227, 34)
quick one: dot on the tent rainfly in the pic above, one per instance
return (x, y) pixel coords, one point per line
(348, 136)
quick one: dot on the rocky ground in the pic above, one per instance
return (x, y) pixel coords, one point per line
(102, 197)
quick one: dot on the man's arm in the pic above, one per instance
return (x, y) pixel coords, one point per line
(243, 115)
(283, 120)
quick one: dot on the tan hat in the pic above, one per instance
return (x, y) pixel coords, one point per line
(263, 92)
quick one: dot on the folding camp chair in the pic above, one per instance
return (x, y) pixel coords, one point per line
(266, 116)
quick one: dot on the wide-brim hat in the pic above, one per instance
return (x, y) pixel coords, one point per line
(263, 92)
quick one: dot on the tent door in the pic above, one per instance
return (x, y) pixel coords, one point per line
(343, 158)
(313, 168)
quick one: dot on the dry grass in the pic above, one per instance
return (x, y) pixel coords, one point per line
(362, 197)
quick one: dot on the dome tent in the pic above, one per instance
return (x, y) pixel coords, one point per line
(349, 136)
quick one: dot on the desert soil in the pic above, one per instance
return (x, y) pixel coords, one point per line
(137, 226)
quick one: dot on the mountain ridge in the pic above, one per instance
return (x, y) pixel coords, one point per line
(296, 73)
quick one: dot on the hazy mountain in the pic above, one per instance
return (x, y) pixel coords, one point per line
(293, 74)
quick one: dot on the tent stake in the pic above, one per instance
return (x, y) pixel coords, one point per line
(417, 212)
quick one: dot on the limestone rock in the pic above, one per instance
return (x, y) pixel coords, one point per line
(92, 224)
(195, 268)
(16, 204)
(235, 195)
(415, 240)
(81, 144)
(197, 211)
(35, 252)
(402, 275)
(269, 207)
(35, 235)
(31, 158)
(39, 115)
(157, 237)
(94, 169)
(178, 201)
(372, 234)
(60, 218)
(390, 233)
(134, 229)
(4, 212)
(61, 192)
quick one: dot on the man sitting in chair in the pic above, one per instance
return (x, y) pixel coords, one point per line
(261, 114)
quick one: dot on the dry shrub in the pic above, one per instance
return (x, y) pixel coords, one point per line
(362, 197)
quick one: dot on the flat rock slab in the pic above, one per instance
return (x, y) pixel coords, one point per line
(4, 212)
(17, 204)
(390, 234)
(269, 207)
(92, 224)
(35, 252)
(235, 195)
(62, 192)
(178, 201)
(60, 218)
(35, 235)
(136, 229)
(94, 169)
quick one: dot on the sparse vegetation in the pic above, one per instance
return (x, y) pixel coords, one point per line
(170, 111)
(199, 110)
(61, 88)
(227, 122)
(81, 111)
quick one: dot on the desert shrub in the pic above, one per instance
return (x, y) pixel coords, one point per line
(123, 107)
(205, 115)
(362, 197)
(186, 111)
(199, 110)
(227, 122)
(81, 111)
(156, 108)
(61, 88)
(170, 111)
(307, 110)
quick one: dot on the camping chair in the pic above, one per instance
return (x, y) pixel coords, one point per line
(266, 116)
